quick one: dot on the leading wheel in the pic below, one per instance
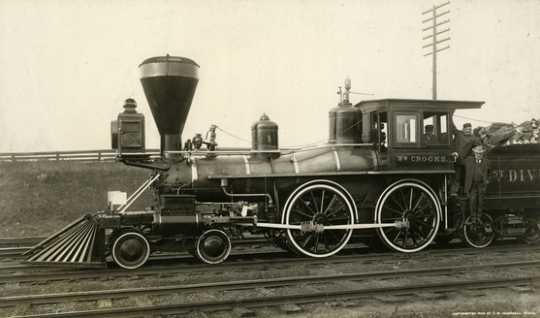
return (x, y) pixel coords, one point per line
(130, 250)
(478, 230)
(319, 204)
(213, 246)
(414, 204)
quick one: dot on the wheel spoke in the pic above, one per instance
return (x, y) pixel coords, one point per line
(422, 223)
(322, 201)
(396, 203)
(338, 219)
(406, 236)
(313, 200)
(335, 211)
(330, 204)
(316, 244)
(397, 212)
(307, 239)
(418, 202)
(410, 199)
(403, 198)
(419, 235)
(413, 239)
(333, 233)
(397, 235)
(307, 206)
(302, 213)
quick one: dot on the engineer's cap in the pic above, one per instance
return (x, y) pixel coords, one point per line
(478, 149)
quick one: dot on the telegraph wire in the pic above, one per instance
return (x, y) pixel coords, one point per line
(480, 120)
(233, 135)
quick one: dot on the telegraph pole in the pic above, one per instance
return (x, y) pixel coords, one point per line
(435, 28)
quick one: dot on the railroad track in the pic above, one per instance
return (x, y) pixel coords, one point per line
(16, 247)
(23, 273)
(18, 242)
(13, 251)
(316, 291)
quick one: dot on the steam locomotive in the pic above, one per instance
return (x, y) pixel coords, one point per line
(377, 176)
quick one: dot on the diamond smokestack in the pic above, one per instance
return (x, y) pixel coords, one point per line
(169, 83)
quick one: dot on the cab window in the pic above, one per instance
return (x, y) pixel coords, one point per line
(435, 128)
(379, 130)
(406, 128)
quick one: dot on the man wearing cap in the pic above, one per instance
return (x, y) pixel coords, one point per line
(476, 179)
(464, 142)
(429, 135)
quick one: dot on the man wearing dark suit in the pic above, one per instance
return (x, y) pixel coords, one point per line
(464, 141)
(476, 179)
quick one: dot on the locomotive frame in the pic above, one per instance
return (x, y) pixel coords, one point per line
(377, 173)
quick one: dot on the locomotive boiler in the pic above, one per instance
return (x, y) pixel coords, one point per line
(376, 175)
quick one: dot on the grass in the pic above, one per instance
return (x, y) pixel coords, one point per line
(37, 198)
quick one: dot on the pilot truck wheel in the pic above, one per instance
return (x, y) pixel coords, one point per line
(319, 203)
(130, 250)
(213, 246)
(414, 203)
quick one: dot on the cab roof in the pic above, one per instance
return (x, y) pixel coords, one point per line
(416, 104)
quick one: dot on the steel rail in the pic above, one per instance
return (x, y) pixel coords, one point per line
(18, 241)
(13, 251)
(44, 273)
(12, 243)
(268, 300)
(260, 283)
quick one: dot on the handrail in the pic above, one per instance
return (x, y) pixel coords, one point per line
(111, 154)
(70, 155)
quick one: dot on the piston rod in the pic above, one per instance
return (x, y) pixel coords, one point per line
(306, 227)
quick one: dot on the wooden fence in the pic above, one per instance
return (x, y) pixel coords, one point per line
(78, 155)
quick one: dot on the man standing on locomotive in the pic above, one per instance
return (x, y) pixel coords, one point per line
(464, 142)
(476, 180)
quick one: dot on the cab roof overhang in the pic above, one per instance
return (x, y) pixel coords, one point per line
(416, 104)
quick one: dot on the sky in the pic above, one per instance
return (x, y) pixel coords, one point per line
(67, 66)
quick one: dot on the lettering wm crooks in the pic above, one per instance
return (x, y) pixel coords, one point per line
(422, 158)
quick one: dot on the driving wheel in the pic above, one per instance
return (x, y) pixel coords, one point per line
(319, 204)
(416, 207)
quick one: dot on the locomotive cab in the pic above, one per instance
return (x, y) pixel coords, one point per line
(411, 133)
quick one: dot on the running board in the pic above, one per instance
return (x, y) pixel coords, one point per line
(79, 243)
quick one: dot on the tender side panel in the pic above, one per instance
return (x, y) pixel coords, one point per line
(514, 181)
